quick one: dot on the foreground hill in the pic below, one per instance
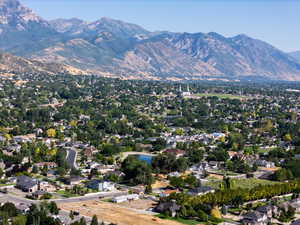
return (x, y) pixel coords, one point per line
(10, 65)
(115, 48)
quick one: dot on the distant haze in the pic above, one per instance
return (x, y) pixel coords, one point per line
(275, 21)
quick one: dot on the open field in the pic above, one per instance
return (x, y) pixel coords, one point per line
(224, 96)
(180, 220)
(241, 183)
(141, 204)
(114, 213)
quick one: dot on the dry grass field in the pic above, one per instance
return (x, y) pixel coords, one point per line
(114, 213)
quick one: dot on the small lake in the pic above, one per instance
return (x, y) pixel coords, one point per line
(145, 158)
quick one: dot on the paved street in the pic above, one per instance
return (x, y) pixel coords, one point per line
(71, 158)
(95, 196)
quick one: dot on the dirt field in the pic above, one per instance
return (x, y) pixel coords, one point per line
(114, 213)
(142, 204)
(160, 184)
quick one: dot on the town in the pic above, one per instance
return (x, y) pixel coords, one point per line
(89, 150)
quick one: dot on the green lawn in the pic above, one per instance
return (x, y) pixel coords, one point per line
(180, 220)
(223, 96)
(4, 185)
(241, 183)
(66, 194)
(188, 222)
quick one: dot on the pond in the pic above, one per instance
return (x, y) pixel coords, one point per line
(145, 158)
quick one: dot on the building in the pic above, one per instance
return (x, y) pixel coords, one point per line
(269, 210)
(186, 93)
(296, 222)
(200, 191)
(170, 207)
(101, 185)
(74, 180)
(27, 184)
(49, 165)
(177, 152)
(265, 163)
(255, 218)
(125, 198)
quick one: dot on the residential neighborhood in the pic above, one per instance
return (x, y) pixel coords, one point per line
(149, 150)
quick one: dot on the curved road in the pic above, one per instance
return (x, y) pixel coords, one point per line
(71, 158)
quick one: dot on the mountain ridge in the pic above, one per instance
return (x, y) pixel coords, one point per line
(295, 55)
(119, 49)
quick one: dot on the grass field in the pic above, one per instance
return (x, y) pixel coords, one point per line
(180, 220)
(4, 185)
(223, 96)
(66, 194)
(241, 183)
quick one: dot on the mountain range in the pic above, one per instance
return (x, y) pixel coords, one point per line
(296, 55)
(113, 48)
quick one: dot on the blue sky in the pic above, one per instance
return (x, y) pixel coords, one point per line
(274, 21)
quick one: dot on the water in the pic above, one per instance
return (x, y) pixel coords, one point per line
(145, 158)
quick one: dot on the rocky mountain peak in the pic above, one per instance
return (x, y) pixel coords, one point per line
(16, 16)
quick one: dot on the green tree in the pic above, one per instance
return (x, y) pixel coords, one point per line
(94, 220)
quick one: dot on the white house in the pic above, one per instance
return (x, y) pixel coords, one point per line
(125, 198)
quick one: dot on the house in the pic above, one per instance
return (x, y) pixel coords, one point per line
(296, 222)
(49, 165)
(74, 180)
(27, 184)
(177, 152)
(101, 185)
(170, 207)
(214, 165)
(125, 198)
(37, 194)
(14, 148)
(23, 207)
(255, 218)
(295, 203)
(174, 174)
(88, 152)
(269, 210)
(265, 163)
(200, 191)
(45, 186)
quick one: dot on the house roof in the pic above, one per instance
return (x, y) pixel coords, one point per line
(175, 151)
(253, 215)
(165, 206)
(202, 189)
(26, 182)
(296, 222)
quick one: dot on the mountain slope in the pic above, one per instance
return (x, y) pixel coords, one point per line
(115, 48)
(237, 56)
(10, 64)
(21, 29)
(295, 55)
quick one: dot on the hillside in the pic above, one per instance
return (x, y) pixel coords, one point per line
(296, 55)
(115, 48)
(10, 65)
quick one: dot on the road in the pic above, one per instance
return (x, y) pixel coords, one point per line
(95, 196)
(71, 158)
(17, 200)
